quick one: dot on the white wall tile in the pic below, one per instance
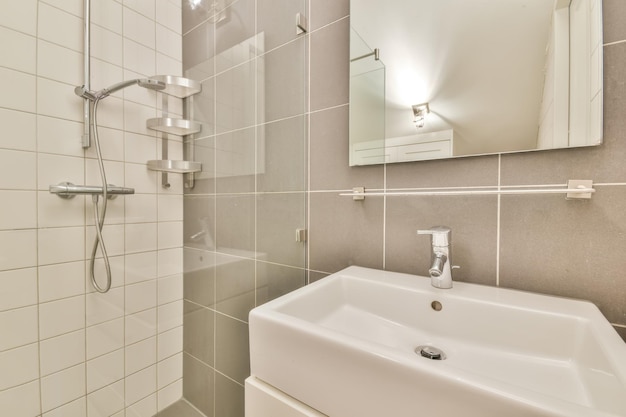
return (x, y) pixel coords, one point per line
(105, 307)
(74, 7)
(141, 237)
(170, 207)
(17, 249)
(168, 43)
(141, 355)
(141, 267)
(169, 370)
(105, 338)
(113, 236)
(170, 343)
(18, 327)
(143, 408)
(72, 249)
(140, 326)
(146, 8)
(170, 394)
(59, 63)
(116, 264)
(19, 130)
(62, 352)
(19, 211)
(18, 288)
(139, 148)
(108, 14)
(135, 118)
(19, 365)
(59, 136)
(12, 162)
(18, 90)
(19, 15)
(141, 208)
(51, 19)
(141, 178)
(170, 316)
(76, 408)
(17, 51)
(61, 316)
(168, 65)
(141, 296)
(170, 288)
(21, 401)
(170, 262)
(57, 99)
(114, 173)
(139, 28)
(62, 387)
(105, 74)
(106, 401)
(141, 384)
(170, 234)
(139, 58)
(61, 281)
(169, 14)
(105, 370)
(106, 45)
(111, 145)
(53, 211)
(55, 169)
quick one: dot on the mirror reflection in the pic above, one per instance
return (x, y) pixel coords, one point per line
(433, 79)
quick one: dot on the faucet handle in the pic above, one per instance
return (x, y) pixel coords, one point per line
(440, 235)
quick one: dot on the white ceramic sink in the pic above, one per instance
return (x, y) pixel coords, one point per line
(345, 345)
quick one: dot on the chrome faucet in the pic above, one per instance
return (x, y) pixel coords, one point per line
(440, 269)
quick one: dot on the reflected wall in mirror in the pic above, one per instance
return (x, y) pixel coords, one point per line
(497, 76)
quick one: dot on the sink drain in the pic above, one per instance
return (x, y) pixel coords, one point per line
(430, 352)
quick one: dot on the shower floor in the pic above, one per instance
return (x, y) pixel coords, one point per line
(180, 408)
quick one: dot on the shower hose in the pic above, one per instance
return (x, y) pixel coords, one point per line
(99, 214)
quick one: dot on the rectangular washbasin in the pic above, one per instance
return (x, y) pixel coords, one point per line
(346, 346)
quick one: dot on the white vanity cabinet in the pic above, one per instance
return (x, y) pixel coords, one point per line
(263, 400)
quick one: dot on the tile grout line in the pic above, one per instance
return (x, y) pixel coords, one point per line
(498, 220)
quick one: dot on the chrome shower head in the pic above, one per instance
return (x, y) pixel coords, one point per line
(97, 95)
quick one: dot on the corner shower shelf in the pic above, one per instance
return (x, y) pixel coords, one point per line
(178, 167)
(182, 88)
(179, 127)
(178, 86)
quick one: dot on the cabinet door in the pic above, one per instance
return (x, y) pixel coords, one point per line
(263, 400)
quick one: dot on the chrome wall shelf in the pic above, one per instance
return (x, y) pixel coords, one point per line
(179, 127)
(169, 165)
(183, 88)
(178, 86)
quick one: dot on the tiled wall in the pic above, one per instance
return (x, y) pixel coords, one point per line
(64, 349)
(241, 217)
(537, 243)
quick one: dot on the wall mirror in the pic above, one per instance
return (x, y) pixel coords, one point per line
(432, 79)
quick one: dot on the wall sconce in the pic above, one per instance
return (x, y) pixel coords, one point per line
(419, 114)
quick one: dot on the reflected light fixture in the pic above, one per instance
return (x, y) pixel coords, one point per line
(194, 4)
(419, 114)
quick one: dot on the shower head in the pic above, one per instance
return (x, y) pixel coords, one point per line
(96, 95)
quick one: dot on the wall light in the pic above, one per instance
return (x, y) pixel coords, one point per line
(419, 114)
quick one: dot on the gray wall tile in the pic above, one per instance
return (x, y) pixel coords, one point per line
(231, 348)
(329, 155)
(554, 246)
(234, 286)
(198, 382)
(276, 20)
(473, 220)
(229, 397)
(276, 280)
(235, 224)
(614, 20)
(199, 276)
(324, 12)
(198, 326)
(345, 232)
(330, 68)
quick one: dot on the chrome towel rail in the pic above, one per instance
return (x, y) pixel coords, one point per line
(575, 189)
(69, 190)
